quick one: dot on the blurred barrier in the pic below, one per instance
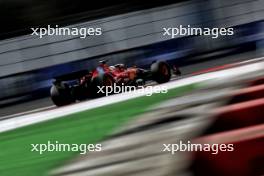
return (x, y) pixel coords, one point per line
(247, 159)
(243, 109)
(256, 82)
(240, 123)
(237, 116)
(247, 94)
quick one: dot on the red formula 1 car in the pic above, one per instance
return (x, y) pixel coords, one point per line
(81, 85)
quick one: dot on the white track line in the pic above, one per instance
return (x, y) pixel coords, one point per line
(38, 117)
(26, 112)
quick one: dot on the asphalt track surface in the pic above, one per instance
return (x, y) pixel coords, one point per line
(46, 103)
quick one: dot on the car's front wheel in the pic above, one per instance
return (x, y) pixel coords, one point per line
(161, 72)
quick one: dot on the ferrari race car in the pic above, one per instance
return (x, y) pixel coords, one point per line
(84, 84)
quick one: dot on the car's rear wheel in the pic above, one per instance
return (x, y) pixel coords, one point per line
(161, 72)
(61, 94)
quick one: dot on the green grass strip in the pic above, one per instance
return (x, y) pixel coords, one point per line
(91, 126)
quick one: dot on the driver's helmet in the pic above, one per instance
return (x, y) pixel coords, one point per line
(103, 61)
(122, 67)
(112, 68)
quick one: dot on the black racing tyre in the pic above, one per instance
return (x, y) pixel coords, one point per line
(161, 72)
(80, 93)
(61, 95)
